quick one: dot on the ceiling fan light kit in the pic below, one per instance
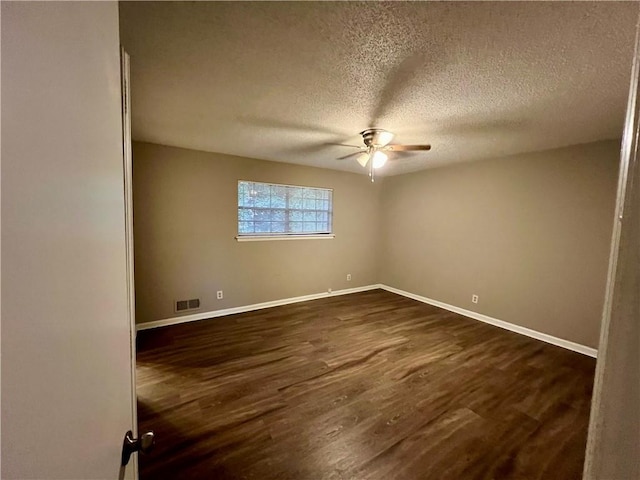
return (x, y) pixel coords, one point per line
(363, 158)
(378, 159)
(376, 141)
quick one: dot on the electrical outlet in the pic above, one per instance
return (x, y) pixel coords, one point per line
(474, 298)
(219, 295)
(348, 277)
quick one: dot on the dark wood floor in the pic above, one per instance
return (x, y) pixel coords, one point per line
(364, 386)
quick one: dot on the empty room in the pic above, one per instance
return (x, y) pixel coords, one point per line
(372, 240)
(320, 240)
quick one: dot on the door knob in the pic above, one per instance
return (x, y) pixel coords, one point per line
(143, 444)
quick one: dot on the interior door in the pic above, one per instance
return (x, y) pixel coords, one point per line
(67, 385)
(613, 448)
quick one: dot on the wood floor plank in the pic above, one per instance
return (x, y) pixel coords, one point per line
(364, 386)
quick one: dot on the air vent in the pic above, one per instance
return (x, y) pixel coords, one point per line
(182, 305)
(185, 305)
(195, 303)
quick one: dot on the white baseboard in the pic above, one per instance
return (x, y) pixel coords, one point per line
(576, 347)
(248, 308)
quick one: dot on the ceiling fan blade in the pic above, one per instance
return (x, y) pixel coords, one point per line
(407, 148)
(345, 145)
(347, 156)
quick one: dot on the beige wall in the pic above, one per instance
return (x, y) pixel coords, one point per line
(529, 234)
(185, 221)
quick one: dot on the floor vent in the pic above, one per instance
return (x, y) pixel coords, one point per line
(185, 305)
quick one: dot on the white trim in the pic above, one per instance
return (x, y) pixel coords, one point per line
(128, 216)
(559, 342)
(248, 308)
(576, 347)
(262, 238)
(286, 185)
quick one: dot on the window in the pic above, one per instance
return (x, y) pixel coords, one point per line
(268, 210)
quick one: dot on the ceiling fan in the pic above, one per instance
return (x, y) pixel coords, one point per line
(376, 145)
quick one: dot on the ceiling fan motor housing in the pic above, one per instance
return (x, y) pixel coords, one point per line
(376, 137)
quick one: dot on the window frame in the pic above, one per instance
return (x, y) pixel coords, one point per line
(267, 236)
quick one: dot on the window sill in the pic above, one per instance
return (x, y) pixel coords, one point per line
(263, 238)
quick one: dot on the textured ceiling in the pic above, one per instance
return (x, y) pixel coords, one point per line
(283, 81)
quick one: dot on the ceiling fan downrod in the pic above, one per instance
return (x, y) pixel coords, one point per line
(370, 151)
(371, 169)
